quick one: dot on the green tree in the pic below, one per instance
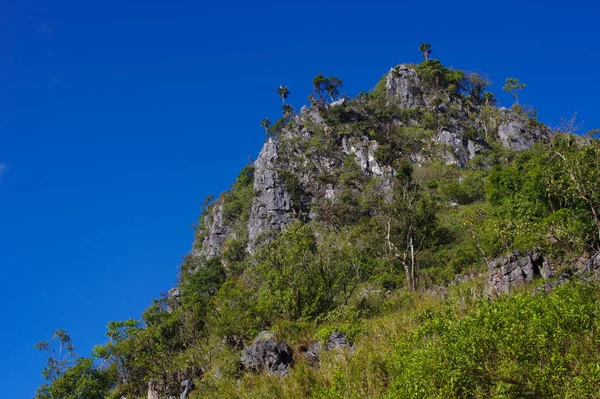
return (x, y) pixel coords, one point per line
(287, 110)
(69, 376)
(266, 124)
(425, 48)
(325, 86)
(409, 223)
(283, 92)
(512, 86)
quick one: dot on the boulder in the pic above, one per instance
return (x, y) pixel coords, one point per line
(338, 340)
(266, 353)
(516, 268)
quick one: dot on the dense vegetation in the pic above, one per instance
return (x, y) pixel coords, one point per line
(366, 260)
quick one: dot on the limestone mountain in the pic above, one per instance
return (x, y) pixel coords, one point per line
(413, 241)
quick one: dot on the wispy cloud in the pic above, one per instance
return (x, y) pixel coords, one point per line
(3, 169)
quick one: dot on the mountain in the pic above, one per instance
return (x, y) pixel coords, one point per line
(413, 241)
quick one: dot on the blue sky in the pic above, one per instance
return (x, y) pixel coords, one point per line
(117, 118)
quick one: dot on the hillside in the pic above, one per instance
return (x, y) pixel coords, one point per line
(413, 241)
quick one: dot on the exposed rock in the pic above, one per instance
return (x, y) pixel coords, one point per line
(157, 390)
(404, 85)
(561, 280)
(217, 232)
(338, 340)
(455, 152)
(266, 353)
(312, 353)
(475, 148)
(593, 264)
(337, 102)
(187, 387)
(173, 299)
(365, 155)
(518, 133)
(515, 269)
(271, 206)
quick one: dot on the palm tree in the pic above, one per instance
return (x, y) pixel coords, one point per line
(287, 110)
(266, 123)
(425, 48)
(283, 92)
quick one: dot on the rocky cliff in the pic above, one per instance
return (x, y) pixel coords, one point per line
(290, 171)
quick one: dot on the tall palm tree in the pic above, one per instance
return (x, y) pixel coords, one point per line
(425, 48)
(283, 92)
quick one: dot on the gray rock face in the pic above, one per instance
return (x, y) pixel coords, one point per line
(187, 387)
(455, 152)
(515, 269)
(365, 155)
(266, 353)
(515, 132)
(593, 264)
(173, 299)
(271, 206)
(218, 231)
(404, 85)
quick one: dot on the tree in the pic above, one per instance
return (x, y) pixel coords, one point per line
(425, 48)
(266, 124)
(69, 376)
(283, 92)
(287, 110)
(513, 86)
(333, 87)
(325, 86)
(59, 359)
(409, 224)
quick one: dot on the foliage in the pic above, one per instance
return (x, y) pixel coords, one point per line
(512, 86)
(326, 86)
(437, 77)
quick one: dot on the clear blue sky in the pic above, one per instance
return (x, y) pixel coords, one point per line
(117, 118)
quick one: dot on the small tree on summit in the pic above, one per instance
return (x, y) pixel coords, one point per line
(513, 86)
(283, 92)
(425, 48)
(324, 87)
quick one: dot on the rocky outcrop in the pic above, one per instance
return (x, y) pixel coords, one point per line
(265, 353)
(271, 207)
(520, 133)
(515, 269)
(364, 150)
(336, 341)
(173, 299)
(217, 231)
(453, 150)
(157, 390)
(404, 85)
(294, 152)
